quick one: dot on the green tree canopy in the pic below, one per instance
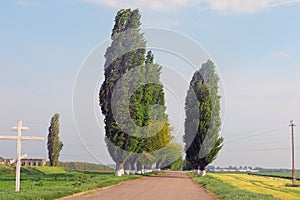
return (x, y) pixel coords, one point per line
(203, 122)
(54, 145)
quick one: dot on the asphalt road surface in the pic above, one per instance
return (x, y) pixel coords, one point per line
(167, 186)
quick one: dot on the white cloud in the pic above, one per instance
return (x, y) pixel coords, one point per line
(281, 54)
(221, 6)
(156, 5)
(237, 6)
(283, 2)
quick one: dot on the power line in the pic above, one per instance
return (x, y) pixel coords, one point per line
(263, 140)
(259, 150)
(257, 134)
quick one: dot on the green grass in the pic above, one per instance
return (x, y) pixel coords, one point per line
(52, 170)
(6, 171)
(52, 183)
(226, 191)
(83, 166)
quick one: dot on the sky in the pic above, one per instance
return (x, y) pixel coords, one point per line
(255, 45)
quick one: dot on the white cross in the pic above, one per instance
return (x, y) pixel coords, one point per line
(19, 128)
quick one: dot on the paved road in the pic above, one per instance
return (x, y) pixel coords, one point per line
(167, 186)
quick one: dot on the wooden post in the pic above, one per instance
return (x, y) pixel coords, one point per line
(19, 128)
(292, 125)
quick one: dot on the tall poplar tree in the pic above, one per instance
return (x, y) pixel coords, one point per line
(127, 54)
(54, 144)
(125, 35)
(203, 122)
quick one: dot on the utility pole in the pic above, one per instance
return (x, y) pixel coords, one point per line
(292, 125)
(19, 137)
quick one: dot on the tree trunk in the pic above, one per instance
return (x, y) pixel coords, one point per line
(119, 169)
(158, 166)
(127, 167)
(198, 169)
(202, 170)
(140, 167)
(143, 169)
(148, 168)
(132, 168)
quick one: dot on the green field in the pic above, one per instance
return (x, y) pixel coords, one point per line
(53, 182)
(277, 187)
(287, 175)
(226, 191)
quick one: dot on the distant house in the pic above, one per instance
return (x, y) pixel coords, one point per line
(27, 162)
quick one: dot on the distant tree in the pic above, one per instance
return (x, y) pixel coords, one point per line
(175, 166)
(203, 122)
(168, 155)
(54, 144)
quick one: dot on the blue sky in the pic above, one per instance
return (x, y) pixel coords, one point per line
(255, 45)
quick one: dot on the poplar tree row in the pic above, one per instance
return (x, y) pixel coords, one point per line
(137, 150)
(143, 138)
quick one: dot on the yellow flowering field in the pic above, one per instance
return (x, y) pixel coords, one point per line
(263, 185)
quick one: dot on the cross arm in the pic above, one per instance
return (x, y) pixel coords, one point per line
(15, 128)
(8, 137)
(31, 138)
(22, 138)
(15, 160)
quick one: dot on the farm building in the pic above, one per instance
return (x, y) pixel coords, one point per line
(26, 162)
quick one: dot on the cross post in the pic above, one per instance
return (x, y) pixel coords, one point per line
(19, 137)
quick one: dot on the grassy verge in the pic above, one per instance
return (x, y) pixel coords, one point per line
(226, 191)
(52, 183)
